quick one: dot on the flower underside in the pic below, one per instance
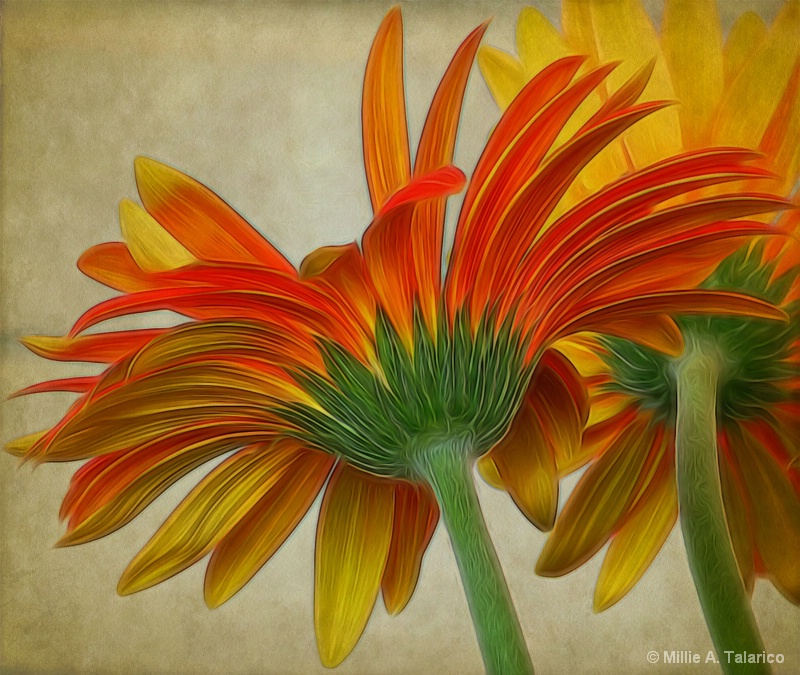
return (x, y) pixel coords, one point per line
(456, 385)
(757, 353)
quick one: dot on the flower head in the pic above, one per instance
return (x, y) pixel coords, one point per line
(727, 90)
(343, 375)
(628, 495)
(745, 92)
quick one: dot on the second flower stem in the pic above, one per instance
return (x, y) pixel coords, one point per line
(447, 466)
(719, 584)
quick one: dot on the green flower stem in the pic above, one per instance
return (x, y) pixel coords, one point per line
(447, 467)
(719, 584)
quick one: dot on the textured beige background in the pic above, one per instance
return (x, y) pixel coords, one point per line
(261, 102)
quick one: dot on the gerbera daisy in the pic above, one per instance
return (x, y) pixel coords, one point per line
(363, 374)
(727, 89)
(742, 519)
(712, 435)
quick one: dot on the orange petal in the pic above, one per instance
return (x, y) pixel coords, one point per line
(415, 517)
(353, 539)
(435, 150)
(260, 533)
(776, 513)
(200, 221)
(77, 385)
(737, 513)
(601, 497)
(658, 332)
(387, 245)
(526, 466)
(95, 348)
(387, 159)
(208, 513)
(109, 491)
(342, 270)
(113, 265)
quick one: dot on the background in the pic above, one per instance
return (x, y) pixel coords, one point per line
(262, 103)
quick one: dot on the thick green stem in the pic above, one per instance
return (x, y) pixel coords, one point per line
(447, 467)
(719, 584)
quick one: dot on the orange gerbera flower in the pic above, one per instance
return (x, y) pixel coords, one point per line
(363, 374)
(629, 496)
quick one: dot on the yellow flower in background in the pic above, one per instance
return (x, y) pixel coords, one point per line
(727, 88)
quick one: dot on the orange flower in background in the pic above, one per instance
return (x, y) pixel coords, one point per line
(628, 496)
(363, 374)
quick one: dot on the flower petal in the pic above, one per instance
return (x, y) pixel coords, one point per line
(200, 221)
(152, 247)
(94, 348)
(504, 75)
(387, 244)
(737, 513)
(659, 332)
(416, 515)
(753, 96)
(353, 539)
(109, 491)
(208, 513)
(776, 513)
(387, 159)
(621, 31)
(526, 466)
(262, 531)
(635, 545)
(435, 150)
(691, 35)
(744, 39)
(602, 496)
(538, 42)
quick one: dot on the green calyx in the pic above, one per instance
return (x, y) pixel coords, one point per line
(754, 351)
(454, 385)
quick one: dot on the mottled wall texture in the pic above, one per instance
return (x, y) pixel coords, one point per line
(261, 102)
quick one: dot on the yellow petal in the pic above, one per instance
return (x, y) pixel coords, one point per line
(538, 42)
(152, 247)
(256, 537)
(353, 537)
(638, 541)
(745, 39)
(692, 43)
(488, 471)
(753, 96)
(209, 512)
(620, 30)
(504, 75)
(19, 447)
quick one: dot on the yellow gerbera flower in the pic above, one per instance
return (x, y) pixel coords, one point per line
(727, 89)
